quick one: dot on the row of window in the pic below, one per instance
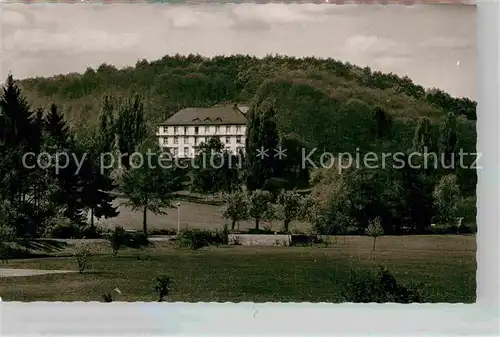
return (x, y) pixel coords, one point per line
(164, 140)
(175, 151)
(196, 129)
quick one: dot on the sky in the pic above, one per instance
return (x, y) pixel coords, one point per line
(424, 42)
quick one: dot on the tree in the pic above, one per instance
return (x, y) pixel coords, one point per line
(446, 197)
(56, 128)
(214, 169)
(422, 136)
(150, 187)
(260, 206)
(448, 141)
(383, 123)
(289, 207)
(24, 185)
(59, 140)
(107, 126)
(130, 128)
(235, 207)
(261, 142)
(375, 230)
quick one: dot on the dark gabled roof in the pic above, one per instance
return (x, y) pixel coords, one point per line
(207, 116)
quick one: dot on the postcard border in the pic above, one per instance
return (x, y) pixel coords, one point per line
(480, 319)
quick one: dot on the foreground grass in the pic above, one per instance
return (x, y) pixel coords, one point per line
(445, 265)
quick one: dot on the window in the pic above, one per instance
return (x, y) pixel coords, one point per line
(176, 151)
(217, 129)
(238, 128)
(206, 129)
(195, 131)
(228, 129)
(186, 151)
(176, 140)
(165, 129)
(175, 130)
(185, 129)
(227, 140)
(186, 140)
(238, 139)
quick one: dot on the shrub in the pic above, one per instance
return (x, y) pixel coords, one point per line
(162, 287)
(117, 239)
(195, 239)
(107, 297)
(379, 287)
(222, 237)
(236, 240)
(6, 237)
(136, 240)
(160, 231)
(82, 255)
(63, 228)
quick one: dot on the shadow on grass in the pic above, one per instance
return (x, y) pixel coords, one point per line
(45, 245)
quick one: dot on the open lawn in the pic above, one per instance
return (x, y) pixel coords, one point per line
(192, 215)
(446, 266)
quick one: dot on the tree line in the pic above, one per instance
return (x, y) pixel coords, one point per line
(33, 197)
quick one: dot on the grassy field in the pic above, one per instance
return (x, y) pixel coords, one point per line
(192, 215)
(446, 265)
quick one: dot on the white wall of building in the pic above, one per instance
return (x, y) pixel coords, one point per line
(182, 140)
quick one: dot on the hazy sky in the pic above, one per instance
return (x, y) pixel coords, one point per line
(423, 42)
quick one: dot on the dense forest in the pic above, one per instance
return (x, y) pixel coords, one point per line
(323, 102)
(309, 102)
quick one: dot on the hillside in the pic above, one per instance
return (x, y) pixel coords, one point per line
(324, 102)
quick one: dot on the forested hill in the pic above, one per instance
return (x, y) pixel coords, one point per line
(324, 101)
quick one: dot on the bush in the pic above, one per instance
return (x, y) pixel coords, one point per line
(162, 287)
(378, 287)
(236, 240)
(260, 231)
(195, 239)
(160, 231)
(64, 228)
(222, 237)
(82, 256)
(107, 297)
(136, 240)
(117, 239)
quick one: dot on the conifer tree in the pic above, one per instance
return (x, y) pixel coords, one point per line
(261, 142)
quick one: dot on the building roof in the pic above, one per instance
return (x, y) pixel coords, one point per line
(207, 116)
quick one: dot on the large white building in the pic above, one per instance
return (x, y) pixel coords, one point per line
(186, 130)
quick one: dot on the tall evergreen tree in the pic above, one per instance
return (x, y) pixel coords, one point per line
(130, 128)
(97, 184)
(59, 140)
(24, 185)
(56, 129)
(261, 143)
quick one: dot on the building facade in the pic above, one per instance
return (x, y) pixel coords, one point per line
(187, 129)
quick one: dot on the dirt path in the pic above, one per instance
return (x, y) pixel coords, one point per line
(12, 272)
